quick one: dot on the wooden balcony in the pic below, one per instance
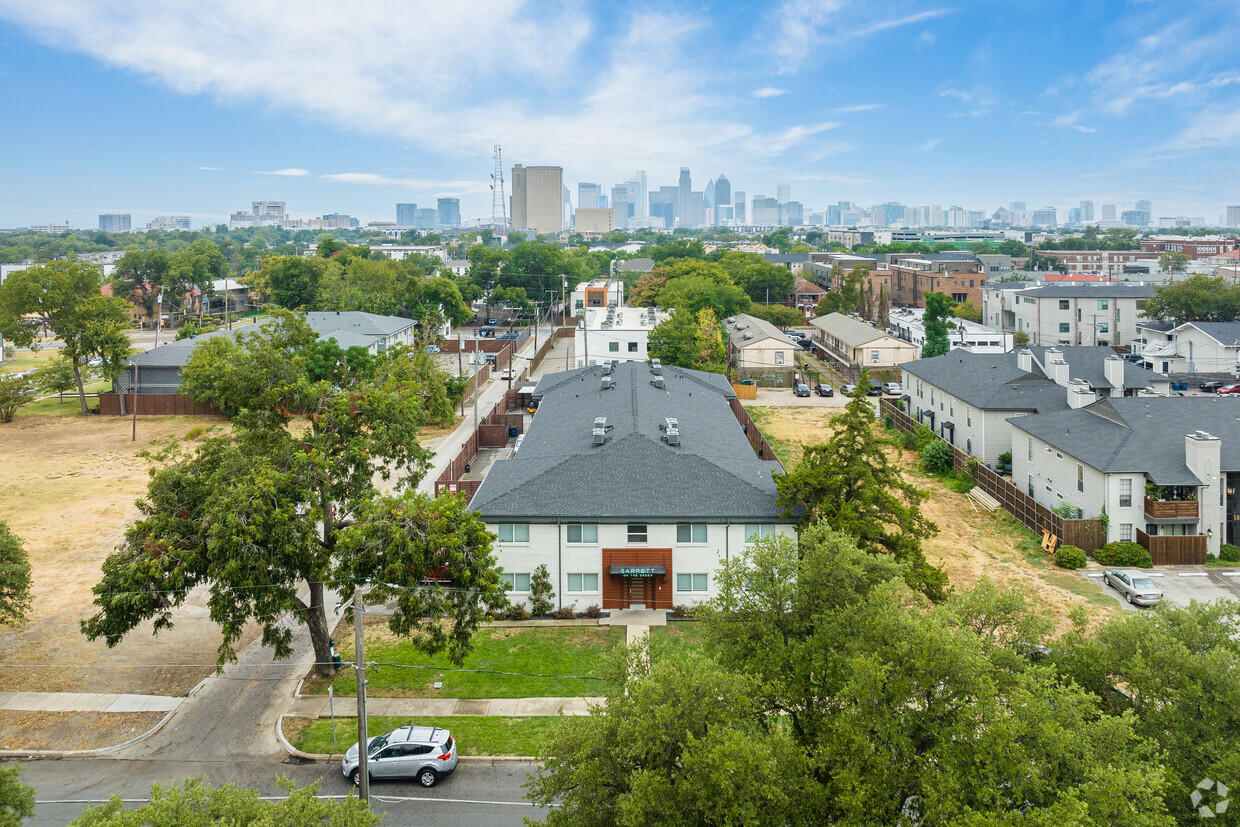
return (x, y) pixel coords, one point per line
(1171, 510)
(1175, 550)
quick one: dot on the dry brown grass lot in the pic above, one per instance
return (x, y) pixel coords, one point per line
(72, 730)
(971, 543)
(68, 487)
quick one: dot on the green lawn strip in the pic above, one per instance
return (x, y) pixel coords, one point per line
(564, 651)
(25, 359)
(676, 637)
(474, 734)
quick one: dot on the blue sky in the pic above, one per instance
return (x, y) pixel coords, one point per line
(157, 108)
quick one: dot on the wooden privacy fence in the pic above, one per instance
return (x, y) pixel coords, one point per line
(750, 429)
(155, 404)
(1175, 550)
(745, 391)
(1088, 535)
(492, 432)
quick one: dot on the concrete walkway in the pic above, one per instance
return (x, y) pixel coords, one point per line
(86, 702)
(317, 706)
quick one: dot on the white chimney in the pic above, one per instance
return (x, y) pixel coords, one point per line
(1024, 360)
(1079, 394)
(1113, 369)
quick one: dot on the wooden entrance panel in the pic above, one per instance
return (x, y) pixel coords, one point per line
(620, 592)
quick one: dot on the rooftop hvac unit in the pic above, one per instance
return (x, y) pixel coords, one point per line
(670, 422)
(607, 383)
(600, 436)
(673, 436)
(600, 422)
(748, 335)
(658, 382)
(609, 368)
(656, 368)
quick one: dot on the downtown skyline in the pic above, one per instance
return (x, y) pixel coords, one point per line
(153, 111)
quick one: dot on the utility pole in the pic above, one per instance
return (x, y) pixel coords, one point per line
(159, 314)
(227, 307)
(359, 667)
(135, 401)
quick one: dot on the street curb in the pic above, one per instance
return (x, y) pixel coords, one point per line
(101, 751)
(329, 757)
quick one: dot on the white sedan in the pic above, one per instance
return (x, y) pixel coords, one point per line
(507, 373)
(1134, 585)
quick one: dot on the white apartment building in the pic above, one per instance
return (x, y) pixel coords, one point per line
(1095, 313)
(1191, 347)
(755, 344)
(602, 293)
(615, 334)
(907, 323)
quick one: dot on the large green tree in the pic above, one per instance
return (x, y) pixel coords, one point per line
(764, 282)
(139, 277)
(690, 340)
(780, 315)
(16, 798)
(936, 321)
(292, 281)
(850, 483)
(287, 501)
(65, 296)
(14, 577)
(1197, 298)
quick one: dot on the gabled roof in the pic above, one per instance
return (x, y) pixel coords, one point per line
(990, 381)
(1087, 362)
(559, 472)
(368, 324)
(1140, 435)
(848, 330)
(1099, 290)
(761, 330)
(1226, 334)
(803, 286)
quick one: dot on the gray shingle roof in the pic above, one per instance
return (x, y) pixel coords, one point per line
(1086, 362)
(1089, 290)
(368, 324)
(847, 329)
(559, 473)
(176, 354)
(760, 328)
(1141, 435)
(1225, 333)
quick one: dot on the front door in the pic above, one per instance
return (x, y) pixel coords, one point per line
(640, 592)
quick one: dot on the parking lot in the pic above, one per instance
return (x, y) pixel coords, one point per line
(1180, 585)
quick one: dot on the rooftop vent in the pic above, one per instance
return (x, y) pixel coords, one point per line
(748, 335)
(600, 429)
(656, 367)
(670, 422)
(607, 383)
(658, 382)
(673, 436)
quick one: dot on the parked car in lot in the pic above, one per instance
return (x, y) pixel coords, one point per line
(875, 388)
(1134, 585)
(507, 373)
(801, 389)
(1228, 389)
(893, 388)
(806, 343)
(492, 322)
(823, 389)
(848, 390)
(422, 753)
(1211, 387)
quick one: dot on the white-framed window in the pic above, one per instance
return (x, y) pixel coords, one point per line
(582, 533)
(691, 582)
(873, 355)
(1103, 304)
(632, 347)
(1080, 478)
(1125, 493)
(613, 347)
(779, 357)
(1030, 456)
(584, 582)
(515, 582)
(513, 532)
(756, 531)
(637, 533)
(691, 532)
(1125, 532)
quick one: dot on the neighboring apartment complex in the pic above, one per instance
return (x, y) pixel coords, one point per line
(907, 323)
(851, 346)
(1099, 313)
(1192, 347)
(755, 344)
(1160, 468)
(596, 293)
(617, 334)
(537, 201)
(631, 487)
(1194, 247)
(1106, 262)
(912, 276)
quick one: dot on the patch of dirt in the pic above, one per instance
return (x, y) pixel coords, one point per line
(68, 487)
(72, 730)
(971, 543)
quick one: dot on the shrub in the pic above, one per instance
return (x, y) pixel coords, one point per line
(540, 592)
(1229, 553)
(1069, 557)
(1121, 553)
(682, 611)
(887, 420)
(566, 612)
(1005, 458)
(518, 612)
(1069, 511)
(937, 457)
(593, 611)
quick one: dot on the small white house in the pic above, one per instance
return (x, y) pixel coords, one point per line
(615, 334)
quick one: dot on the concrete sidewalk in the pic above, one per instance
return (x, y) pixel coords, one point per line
(317, 706)
(86, 702)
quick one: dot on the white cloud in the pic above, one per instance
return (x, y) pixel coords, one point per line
(1208, 130)
(1069, 121)
(927, 38)
(419, 184)
(860, 107)
(768, 92)
(210, 169)
(797, 28)
(791, 137)
(292, 172)
(929, 145)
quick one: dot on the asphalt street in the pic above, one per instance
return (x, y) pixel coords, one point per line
(1182, 585)
(479, 792)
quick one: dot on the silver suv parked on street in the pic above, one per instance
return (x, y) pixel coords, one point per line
(422, 753)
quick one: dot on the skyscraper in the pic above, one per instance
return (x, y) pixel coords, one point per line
(1108, 212)
(723, 194)
(1233, 216)
(537, 199)
(641, 206)
(269, 212)
(117, 222)
(1017, 206)
(1145, 207)
(709, 194)
(682, 197)
(449, 212)
(738, 206)
(587, 196)
(783, 193)
(406, 215)
(1087, 211)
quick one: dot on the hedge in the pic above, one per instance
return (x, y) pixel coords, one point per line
(1229, 553)
(1123, 554)
(1069, 557)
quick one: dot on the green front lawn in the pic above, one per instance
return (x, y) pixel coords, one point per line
(565, 650)
(676, 638)
(475, 735)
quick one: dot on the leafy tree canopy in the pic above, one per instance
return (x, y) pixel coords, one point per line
(938, 312)
(1197, 298)
(14, 577)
